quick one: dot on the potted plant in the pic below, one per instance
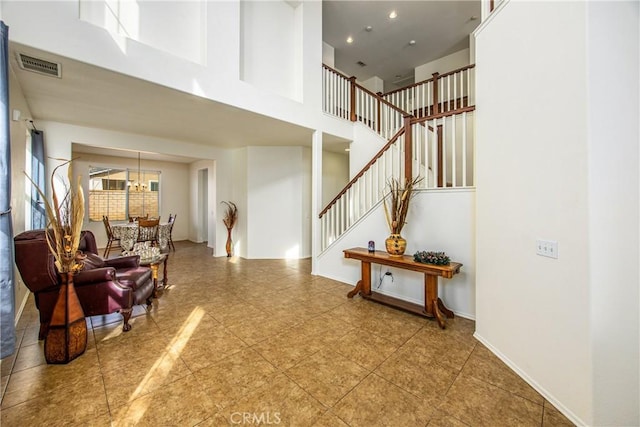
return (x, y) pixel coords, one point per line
(396, 208)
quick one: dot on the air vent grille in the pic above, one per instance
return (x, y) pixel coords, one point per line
(362, 64)
(38, 65)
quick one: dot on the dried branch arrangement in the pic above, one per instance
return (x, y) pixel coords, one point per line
(65, 216)
(230, 215)
(396, 204)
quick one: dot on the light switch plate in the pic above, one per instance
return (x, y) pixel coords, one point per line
(548, 248)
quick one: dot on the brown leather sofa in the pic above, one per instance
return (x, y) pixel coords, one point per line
(104, 286)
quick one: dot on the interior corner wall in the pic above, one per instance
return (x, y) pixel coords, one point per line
(328, 55)
(269, 55)
(239, 196)
(531, 170)
(277, 200)
(613, 37)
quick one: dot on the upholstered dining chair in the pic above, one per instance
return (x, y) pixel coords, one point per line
(112, 242)
(148, 230)
(172, 220)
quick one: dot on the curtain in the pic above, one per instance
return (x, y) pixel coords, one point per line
(7, 297)
(38, 215)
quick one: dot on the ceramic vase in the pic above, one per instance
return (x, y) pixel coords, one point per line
(66, 338)
(395, 245)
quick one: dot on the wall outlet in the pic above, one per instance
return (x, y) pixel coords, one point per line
(548, 248)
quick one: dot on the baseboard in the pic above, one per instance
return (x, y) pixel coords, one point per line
(537, 387)
(21, 308)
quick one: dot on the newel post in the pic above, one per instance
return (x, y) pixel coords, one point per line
(379, 107)
(436, 107)
(352, 107)
(408, 144)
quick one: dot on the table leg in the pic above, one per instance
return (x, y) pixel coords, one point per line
(165, 278)
(364, 284)
(154, 275)
(430, 294)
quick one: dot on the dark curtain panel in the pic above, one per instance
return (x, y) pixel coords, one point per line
(7, 297)
(38, 215)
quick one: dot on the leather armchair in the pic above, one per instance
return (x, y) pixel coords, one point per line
(103, 286)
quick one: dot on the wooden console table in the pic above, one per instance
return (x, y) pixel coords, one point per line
(433, 306)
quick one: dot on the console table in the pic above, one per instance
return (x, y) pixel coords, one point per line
(433, 306)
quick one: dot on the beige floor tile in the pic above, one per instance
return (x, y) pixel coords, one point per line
(182, 402)
(486, 366)
(153, 373)
(418, 374)
(232, 378)
(287, 349)
(74, 403)
(29, 356)
(366, 349)
(329, 419)
(554, 418)
(435, 343)
(481, 404)
(281, 401)
(375, 401)
(327, 376)
(440, 419)
(45, 379)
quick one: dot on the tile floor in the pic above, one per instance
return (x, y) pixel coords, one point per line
(247, 342)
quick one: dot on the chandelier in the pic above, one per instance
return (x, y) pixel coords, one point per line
(139, 185)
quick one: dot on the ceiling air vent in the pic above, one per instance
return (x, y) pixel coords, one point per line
(38, 65)
(362, 64)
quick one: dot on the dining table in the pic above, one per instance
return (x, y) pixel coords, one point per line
(128, 234)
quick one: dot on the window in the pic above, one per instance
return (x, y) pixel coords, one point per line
(121, 193)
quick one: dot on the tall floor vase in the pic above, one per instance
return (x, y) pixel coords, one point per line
(229, 246)
(67, 335)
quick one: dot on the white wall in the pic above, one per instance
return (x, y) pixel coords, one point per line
(154, 24)
(437, 221)
(279, 198)
(375, 84)
(569, 325)
(269, 56)
(442, 65)
(366, 143)
(328, 55)
(335, 175)
(613, 180)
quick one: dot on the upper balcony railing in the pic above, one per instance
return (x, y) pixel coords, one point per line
(439, 94)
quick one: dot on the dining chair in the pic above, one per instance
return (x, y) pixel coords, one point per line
(112, 242)
(138, 218)
(172, 220)
(148, 230)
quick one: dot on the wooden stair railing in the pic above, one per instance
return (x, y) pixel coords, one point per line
(356, 103)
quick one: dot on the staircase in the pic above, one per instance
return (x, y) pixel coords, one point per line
(429, 129)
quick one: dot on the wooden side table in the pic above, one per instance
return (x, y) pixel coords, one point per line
(433, 305)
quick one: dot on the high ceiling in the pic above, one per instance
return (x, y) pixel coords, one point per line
(95, 97)
(438, 28)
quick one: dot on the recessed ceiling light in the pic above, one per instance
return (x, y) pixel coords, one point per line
(347, 149)
(349, 39)
(412, 42)
(393, 14)
(368, 28)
